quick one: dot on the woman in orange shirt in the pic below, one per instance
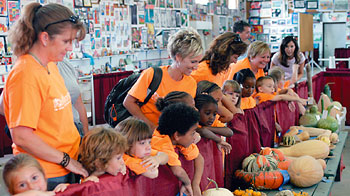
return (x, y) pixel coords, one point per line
(37, 104)
(185, 48)
(258, 57)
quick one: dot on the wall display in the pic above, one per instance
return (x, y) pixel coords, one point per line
(255, 5)
(87, 3)
(274, 47)
(3, 8)
(257, 29)
(266, 13)
(299, 4)
(78, 3)
(3, 26)
(281, 21)
(312, 4)
(317, 17)
(263, 37)
(276, 12)
(3, 47)
(254, 13)
(340, 5)
(266, 22)
(13, 11)
(254, 21)
(325, 5)
(295, 18)
(275, 38)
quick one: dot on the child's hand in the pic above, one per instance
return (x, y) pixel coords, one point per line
(291, 106)
(36, 193)
(151, 162)
(196, 190)
(224, 146)
(187, 189)
(92, 178)
(61, 187)
(303, 101)
(197, 138)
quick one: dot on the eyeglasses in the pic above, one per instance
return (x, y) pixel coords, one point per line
(72, 19)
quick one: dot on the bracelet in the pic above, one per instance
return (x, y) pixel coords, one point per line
(65, 160)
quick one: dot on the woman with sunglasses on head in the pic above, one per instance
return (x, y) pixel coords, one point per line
(223, 50)
(290, 59)
(37, 104)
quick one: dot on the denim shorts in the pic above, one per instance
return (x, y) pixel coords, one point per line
(53, 182)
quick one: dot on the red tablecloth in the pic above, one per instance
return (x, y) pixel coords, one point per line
(342, 53)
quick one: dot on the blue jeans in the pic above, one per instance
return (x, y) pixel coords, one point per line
(53, 182)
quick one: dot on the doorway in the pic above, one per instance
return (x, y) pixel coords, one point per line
(334, 36)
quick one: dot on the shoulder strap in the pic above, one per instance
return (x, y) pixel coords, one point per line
(157, 78)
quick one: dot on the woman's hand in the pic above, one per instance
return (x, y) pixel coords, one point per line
(196, 190)
(76, 167)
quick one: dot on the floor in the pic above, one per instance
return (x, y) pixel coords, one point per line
(339, 188)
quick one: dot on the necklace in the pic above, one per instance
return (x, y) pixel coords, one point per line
(38, 60)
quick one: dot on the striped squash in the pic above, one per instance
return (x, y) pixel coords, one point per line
(256, 162)
(289, 140)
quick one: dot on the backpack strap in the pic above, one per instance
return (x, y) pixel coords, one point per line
(152, 88)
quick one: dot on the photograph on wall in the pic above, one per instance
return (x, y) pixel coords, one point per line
(255, 5)
(295, 18)
(266, 13)
(78, 3)
(312, 4)
(3, 26)
(263, 37)
(254, 21)
(3, 8)
(87, 3)
(341, 5)
(325, 5)
(3, 47)
(257, 29)
(267, 22)
(299, 4)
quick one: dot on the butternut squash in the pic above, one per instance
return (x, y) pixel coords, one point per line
(312, 131)
(305, 171)
(293, 130)
(303, 136)
(314, 148)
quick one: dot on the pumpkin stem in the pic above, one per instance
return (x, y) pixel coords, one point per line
(213, 181)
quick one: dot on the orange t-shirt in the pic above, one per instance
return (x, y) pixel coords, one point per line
(262, 97)
(38, 100)
(286, 84)
(217, 122)
(134, 163)
(204, 73)
(247, 102)
(163, 143)
(242, 64)
(167, 85)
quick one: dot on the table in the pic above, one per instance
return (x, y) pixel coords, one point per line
(323, 188)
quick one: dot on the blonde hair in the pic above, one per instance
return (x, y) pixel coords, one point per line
(134, 130)
(98, 146)
(260, 81)
(236, 88)
(185, 42)
(258, 48)
(277, 73)
(35, 19)
(17, 162)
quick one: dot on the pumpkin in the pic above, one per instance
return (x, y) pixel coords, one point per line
(323, 163)
(305, 171)
(311, 130)
(334, 138)
(217, 191)
(285, 193)
(310, 118)
(289, 140)
(329, 122)
(263, 179)
(314, 148)
(283, 162)
(256, 162)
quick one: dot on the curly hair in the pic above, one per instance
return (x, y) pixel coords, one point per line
(35, 19)
(15, 163)
(205, 86)
(134, 130)
(98, 146)
(170, 98)
(177, 117)
(185, 42)
(283, 57)
(221, 49)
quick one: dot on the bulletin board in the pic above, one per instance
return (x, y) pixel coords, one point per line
(306, 41)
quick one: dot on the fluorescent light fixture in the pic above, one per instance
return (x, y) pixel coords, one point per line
(233, 4)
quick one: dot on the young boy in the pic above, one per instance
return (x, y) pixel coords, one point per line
(177, 126)
(265, 88)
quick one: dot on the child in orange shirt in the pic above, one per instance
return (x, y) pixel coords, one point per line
(101, 152)
(265, 88)
(140, 158)
(24, 176)
(232, 90)
(246, 79)
(209, 124)
(177, 126)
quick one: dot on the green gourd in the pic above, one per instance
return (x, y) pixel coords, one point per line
(329, 122)
(310, 118)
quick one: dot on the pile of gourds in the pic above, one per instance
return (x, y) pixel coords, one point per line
(248, 192)
(313, 117)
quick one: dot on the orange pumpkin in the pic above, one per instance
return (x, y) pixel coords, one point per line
(256, 162)
(283, 162)
(262, 179)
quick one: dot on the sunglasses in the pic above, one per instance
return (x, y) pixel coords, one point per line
(72, 19)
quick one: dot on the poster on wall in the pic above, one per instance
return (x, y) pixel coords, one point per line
(13, 11)
(3, 8)
(325, 5)
(340, 5)
(3, 26)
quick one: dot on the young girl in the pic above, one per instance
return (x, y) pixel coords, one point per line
(102, 152)
(140, 158)
(232, 90)
(246, 79)
(209, 125)
(174, 97)
(24, 176)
